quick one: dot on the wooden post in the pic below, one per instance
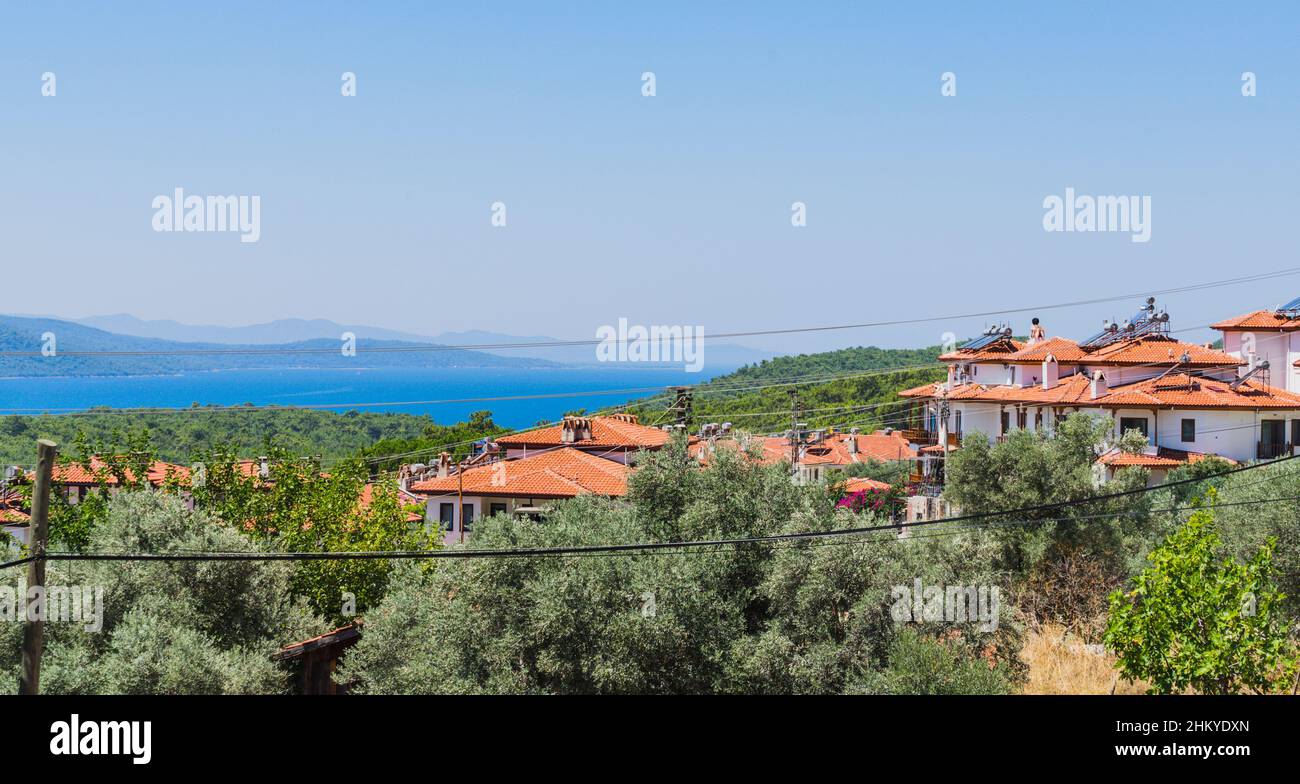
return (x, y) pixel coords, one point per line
(460, 497)
(34, 630)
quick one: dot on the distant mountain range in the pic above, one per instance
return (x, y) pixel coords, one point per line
(160, 347)
(717, 356)
(134, 355)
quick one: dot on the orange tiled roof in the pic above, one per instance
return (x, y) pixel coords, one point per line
(859, 483)
(834, 449)
(1143, 350)
(560, 473)
(1180, 390)
(11, 512)
(1163, 457)
(997, 351)
(771, 450)
(606, 432)
(76, 474)
(1260, 319)
(1064, 349)
(1158, 349)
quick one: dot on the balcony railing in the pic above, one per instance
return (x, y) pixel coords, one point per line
(930, 437)
(923, 437)
(1268, 451)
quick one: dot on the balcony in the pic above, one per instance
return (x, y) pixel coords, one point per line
(1271, 451)
(922, 437)
(930, 438)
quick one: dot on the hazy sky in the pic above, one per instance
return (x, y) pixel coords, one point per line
(672, 209)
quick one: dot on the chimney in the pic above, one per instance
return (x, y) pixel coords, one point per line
(263, 467)
(852, 442)
(952, 378)
(1099, 387)
(444, 464)
(574, 429)
(622, 416)
(1051, 372)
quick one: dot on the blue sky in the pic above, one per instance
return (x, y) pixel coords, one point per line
(666, 210)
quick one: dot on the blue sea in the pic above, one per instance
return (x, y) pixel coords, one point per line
(442, 392)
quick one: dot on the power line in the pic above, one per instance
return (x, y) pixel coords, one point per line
(642, 546)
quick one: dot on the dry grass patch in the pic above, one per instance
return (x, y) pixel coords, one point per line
(1061, 663)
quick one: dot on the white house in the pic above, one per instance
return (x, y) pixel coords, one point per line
(1188, 399)
(1267, 336)
(517, 487)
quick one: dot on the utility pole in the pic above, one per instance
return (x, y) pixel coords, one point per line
(460, 497)
(796, 435)
(34, 630)
(682, 406)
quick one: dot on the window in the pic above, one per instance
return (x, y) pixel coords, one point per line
(447, 516)
(467, 516)
(1020, 418)
(1189, 430)
(497, 509)
(1132, 423)
(1006, 421)
(1295, 431)
(956, 428)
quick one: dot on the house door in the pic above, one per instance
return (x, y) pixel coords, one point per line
(1272, 438)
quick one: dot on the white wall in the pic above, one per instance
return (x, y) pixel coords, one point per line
(1281, 349)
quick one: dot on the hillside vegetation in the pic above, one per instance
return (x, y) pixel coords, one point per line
(850, 387)
(180, 435)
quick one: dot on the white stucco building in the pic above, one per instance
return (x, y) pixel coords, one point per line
(1189, 400)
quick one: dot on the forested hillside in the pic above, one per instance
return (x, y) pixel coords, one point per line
(179, 435)
(850, 387)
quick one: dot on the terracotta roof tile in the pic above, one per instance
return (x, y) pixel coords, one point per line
(1260, 319)
(1163, 457)
(859, 483)
(1158, 349)
(770, 450)
(606, 432)
(77, 474)
(1064, 349)
(1180, 390)
(559, 473)
(833, 450)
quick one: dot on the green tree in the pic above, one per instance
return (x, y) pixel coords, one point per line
(758, 617)
(298, 507)
(919, 664)
(1195, 620)
(183, 627)
(1030, 469)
